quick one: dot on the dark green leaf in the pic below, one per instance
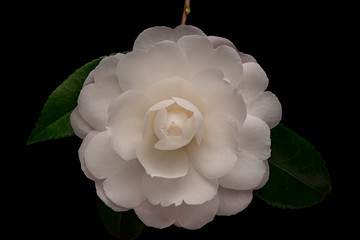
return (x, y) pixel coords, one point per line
(54, 120)
(298, 176)
(123, 225)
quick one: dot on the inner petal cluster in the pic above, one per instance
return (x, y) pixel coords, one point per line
(176, 122)
(170, 122)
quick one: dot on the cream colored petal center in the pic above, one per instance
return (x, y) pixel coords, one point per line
(176, 122)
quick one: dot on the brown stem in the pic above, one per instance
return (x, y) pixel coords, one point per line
(185, 12)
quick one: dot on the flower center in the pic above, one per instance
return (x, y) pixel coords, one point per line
(176, 121)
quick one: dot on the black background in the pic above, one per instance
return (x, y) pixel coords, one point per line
(299, 44)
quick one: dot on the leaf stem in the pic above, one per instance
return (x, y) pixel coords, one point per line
(186, 12)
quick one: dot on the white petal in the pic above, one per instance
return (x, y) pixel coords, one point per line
(154, 35)
(266, 176)
(166, 164)
(222, 98)
(100, 88)
(196, 216)
(233, 201)
(124, 188)
(217, 153)
(159, 124)
(201, 55)
(155, 215)
(186, 216)
(81, 128)
(90, 78)
(184, 30)
(178, 87)
(254, 81)
(100, 158)
(168, 143)
(192, 189)
(219, 41)
(254, 138)
(267, 107)
(106, 70)
(246, 58)
(94, 100)
(101, 193)
(199, 51)
(82, 148)
(126, 114)
(227, 59)
(247, 173)
(98, 183)
(160, 105)
(196, 117)
(149, 115)
(140, 69)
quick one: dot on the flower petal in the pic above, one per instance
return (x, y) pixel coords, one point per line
(106, 69)
(227, 101)
(196, 216)
(219, 41)
(100, 158)
(245, 58)
(150, 114)
(267, 107)
(198, 50)
(124, 188)
(233, 201)
(81, 128)
(101, 193)
(201, 55)
(227, 59)
(217, 153)
(98, 183)
(186, 216)
(266, 176)
(156, 215)
(82, 148)
(159, 163)
(176, 142)
(90, 78)
(197, 117)
(192, 189)
(154, 35)
(140, 69)
(126, 114)
(247, 173)
(254, 81)
(254, 138)
(177, 87)
(94, 100)
(159, 124)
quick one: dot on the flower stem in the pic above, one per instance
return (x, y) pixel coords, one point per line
(185, 12)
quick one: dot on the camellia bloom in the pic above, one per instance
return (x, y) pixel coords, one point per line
(178, 129)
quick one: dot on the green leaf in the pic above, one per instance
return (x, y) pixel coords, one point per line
(54, 120)
(123, 225)
(298, 176)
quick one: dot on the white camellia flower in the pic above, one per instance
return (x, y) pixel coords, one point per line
(178, 129)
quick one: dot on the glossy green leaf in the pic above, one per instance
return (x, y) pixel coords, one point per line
(123, 225)
(298, 175)
(54, 120)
